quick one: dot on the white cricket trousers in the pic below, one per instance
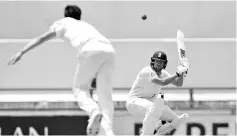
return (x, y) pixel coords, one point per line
(140, 107)
(96, 60)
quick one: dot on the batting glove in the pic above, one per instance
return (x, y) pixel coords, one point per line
(185, 62)
(181, 70)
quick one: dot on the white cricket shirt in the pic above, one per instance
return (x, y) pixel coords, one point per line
(143, 87)
(77, 32)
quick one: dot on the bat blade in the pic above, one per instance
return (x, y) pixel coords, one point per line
(180, 45)
(182, 50)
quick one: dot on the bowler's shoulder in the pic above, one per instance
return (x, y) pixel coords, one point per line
(65, 20)
(59, 22)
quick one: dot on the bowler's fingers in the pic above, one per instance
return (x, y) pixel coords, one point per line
(12, 61)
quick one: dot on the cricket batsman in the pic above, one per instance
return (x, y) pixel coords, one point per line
(146, 98)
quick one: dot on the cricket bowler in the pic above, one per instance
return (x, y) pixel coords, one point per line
(95, 58)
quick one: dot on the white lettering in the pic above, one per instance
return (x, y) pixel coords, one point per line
(33, 132)
(18, 132)
(46, 131)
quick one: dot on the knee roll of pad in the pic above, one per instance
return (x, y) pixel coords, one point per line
(180, 120)
(175, 123)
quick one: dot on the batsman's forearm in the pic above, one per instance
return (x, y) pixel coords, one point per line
(170, 79)
(179, 81)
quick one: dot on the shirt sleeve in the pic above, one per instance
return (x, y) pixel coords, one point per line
(58, 28)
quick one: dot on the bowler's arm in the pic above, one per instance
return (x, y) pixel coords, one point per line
(50, 34)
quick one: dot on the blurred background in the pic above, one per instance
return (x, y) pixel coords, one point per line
(36, 96)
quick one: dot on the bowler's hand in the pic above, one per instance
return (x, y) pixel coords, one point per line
(15, 58)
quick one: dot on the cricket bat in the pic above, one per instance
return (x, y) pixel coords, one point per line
(182, 50)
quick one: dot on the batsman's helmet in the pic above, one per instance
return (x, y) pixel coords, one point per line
(159, 55)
